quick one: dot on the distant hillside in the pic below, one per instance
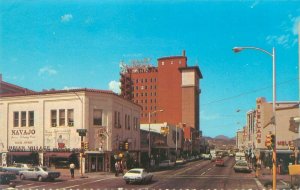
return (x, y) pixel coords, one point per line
(221, 142)
(222, 137)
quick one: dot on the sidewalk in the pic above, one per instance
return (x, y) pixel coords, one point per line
(282, 181)
(65, 174)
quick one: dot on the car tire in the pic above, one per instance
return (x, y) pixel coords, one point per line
(22, 177)
(40, 178)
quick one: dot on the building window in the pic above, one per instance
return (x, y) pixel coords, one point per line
(137, 80)
(162, 63)
(136, 123)
(128, 122)
(145, 80)
(97, 117)
(53, 118)
(62, 117)
(179, 62)
(172, 62)
(136, 87)
(142, 80)
(31, 118)
(117, 120)
(142, 94)
(16, 119)
(145, 93)
(145, 87)
(23, 118)
(136, 94)
(146, 101)
(70, 117)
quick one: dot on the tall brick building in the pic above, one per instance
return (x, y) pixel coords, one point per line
(172, 86)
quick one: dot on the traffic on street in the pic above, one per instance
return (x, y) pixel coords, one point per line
(199, 174)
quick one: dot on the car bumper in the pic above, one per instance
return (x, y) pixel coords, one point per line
(133, 180)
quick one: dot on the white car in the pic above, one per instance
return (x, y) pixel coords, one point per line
(139, 175)
(39, 173)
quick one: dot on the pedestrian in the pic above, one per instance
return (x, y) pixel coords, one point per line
(72, 168)
(117, 168)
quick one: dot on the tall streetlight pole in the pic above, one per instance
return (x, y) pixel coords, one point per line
(149, 141)
(238, 49)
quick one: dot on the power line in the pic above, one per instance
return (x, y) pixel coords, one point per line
(247, 93)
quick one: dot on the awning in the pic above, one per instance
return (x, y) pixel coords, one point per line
(94, 152)
(58, 154)
(21, 153)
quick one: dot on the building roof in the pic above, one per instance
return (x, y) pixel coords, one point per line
(193, 68)
(32, 93)
(171, 57)
(6, 85)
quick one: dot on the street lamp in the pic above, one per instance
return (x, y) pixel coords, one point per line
(238, 49)
(149, 141)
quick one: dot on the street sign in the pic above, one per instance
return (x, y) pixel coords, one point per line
(82, 132)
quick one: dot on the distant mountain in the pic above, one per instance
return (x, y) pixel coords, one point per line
(222, 137)
(221, 142)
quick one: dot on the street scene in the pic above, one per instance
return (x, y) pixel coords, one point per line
(181, 94)
(198, 174)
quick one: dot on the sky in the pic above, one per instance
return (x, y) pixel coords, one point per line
(80, 44)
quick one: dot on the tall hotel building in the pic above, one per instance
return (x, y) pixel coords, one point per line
(172, 86)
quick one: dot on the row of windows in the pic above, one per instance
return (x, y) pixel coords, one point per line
(144, 94)
(144, 87)
(146, 114)
(145, 101)
(60, 119)
(65, 117)
(145, 80)
(117, 122)
(172, 62)
(23, 119)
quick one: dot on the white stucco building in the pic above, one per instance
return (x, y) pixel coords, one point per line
(41, 127)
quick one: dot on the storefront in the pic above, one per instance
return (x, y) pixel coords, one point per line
(61, 159)
(97, 161)
(26, 157)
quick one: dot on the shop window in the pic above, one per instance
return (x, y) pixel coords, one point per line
(16, 119)
(53, 118)
(97, 117)
(62, 117)
(70, 117)
(31, 118)
(23, 118)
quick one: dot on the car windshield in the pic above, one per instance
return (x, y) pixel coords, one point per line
(134, 171)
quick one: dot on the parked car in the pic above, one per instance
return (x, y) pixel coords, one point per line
(166, 163)
(206, 156)
(6, 177)
(16, 168)
(39, 173)
(180, 161)
(219, 161)
(139, 175)
(242, 166)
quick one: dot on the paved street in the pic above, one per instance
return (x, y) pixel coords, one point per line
(201, 174)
